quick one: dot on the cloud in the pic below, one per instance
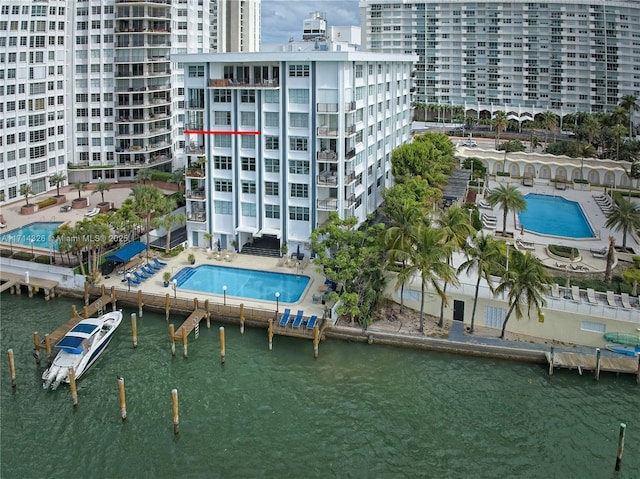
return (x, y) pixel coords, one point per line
(282, 19)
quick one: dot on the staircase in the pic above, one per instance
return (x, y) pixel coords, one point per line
(257, 251)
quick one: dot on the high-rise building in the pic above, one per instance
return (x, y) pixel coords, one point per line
(519, 56)
(34, 105)
(111, 97)
(326, 122)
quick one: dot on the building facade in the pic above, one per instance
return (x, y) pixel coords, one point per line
(277, 141)
(520, 56)
(113, 97)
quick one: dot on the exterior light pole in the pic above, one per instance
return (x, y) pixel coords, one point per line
(128, 276)
(174, 284)
(32, 253)
(277, 302)
(224, 292)
(508, 244)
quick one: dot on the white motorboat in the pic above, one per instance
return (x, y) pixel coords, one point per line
(80, 348)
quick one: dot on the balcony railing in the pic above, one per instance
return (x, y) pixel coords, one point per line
(326, 131)
(195, 173)
(350, 129)
(327, 178)
(196, 195)
(199, 216)
(327, 155)
(350, 106)
(327, 108)
(194, 150)
(328, 204)
(229, 83)
(349, 178)
(350, 154)
(350, 201)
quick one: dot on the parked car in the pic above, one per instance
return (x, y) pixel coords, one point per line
(470, 143)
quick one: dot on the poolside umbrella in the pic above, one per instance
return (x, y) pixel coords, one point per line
(298, 252)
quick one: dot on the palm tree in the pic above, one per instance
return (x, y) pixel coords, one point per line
(170, 219)
(630, 103)
(618, 131)
(26, 190)
(509, 198)
(143, 175)
(456, 228)
(624, 216)
(584, 149)
(428, 256)
(56, 180)
(177, 177)
(591, 129)
(147, 201)
(610, 259)
(101, 188)
(500, 123)
(526, 282)
(80, 187)
(550, 123)
(483, 253)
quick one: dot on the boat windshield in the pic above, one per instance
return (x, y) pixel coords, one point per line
(86, 328)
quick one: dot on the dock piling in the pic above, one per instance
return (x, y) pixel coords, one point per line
(207, 314)
(85, 312)
(173, 340)
(12, 368)
(72, 385)
(222, 346)
(167, 307)
(623, 428)
(176, 418)
(134, 329)
(47, 348)
(241, 318)
(316, 340)
(86, 294)
(185, 342)
(113, 297)
(140, 303)
(598, 359)
(270, 334)
(551, 362)
(123, 401)
(36, 346)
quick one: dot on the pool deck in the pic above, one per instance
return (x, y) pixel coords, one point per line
(588, 263)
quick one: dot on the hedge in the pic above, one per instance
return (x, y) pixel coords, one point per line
(21, 255)
(47, 202)
(5, 253)
(157, 175)
(564, 251)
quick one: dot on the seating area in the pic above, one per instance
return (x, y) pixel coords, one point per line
(223, 255)
(483, 204)
(599, 253)
(144, 272)
(609, 298)
(92, 213)
(604, 202)
(298, 321)
(525, 245)
(488, 221)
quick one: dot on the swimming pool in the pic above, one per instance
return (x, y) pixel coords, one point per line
(245, 283)
(555, 216)
(41, 232)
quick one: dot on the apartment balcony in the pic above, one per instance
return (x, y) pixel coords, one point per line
(198, 216)
(350, 154)
(195, 173)
(327, 156)
(196, 195)
(350, 106)
(349, 178)
(194, 126)
(350, 201)
(143, 158)
(350, 130)
(327, 108)
(327, 178)
(229, 83)
(194, 150)
(329, 204)
(327, 132)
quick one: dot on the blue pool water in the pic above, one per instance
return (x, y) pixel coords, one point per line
(40, 232)
(555, 216)
(245, 283)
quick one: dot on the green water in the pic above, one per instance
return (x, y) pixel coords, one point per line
(357, 411)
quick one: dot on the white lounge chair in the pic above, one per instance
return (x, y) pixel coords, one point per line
(555, 290)
(485, 205)
(93, 212)
(526, 245)
(575, 293)
(611, 298)
(591, 295)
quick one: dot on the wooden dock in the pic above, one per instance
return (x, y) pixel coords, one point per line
(15, 282)
(596, 363)
(190, 324)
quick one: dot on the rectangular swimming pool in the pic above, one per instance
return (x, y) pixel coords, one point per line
(40, 233)
(244, 283)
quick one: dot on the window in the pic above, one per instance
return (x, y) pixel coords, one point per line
(298, 213)
(247, 118)
(298, 190)
(196, 71)
(299, 95)
(222, 163)
(222, 141)
(272, 119)
(272, 142)
(298, 143)
(222, 117)
(299, 167)
(247, 96)
(298, 120)
(248, 141)
(271, 188)
(222, 96)
(271, 96)
(272, 165)
(248, 187)
(272, 211)
(248, 209)
(225, 186)
(223, 207)
(248, 164)
(298, 70)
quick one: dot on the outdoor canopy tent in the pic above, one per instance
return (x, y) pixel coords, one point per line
(127, 252)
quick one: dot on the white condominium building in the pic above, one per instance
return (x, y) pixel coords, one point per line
(34, 106)
(325, 124)
(519, 56)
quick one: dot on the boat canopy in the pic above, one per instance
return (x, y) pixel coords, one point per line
(71, 344)
(127, 252)
(86, 328)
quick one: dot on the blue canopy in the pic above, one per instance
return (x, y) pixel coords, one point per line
(127, 252)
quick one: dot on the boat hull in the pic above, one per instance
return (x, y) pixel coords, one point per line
(80, 348)
(626, 339)
(626, 350)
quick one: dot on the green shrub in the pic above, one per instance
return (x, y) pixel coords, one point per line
(43, 259)
(5, 253)
(174, 252)
(580, 181)
(564, 251)
(47, 202)
(22, 255)
(157, 175)
(503, 173)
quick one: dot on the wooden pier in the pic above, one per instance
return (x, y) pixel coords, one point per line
(14, 283)
(595, 363)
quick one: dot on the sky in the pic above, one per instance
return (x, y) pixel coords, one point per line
(282, 19)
